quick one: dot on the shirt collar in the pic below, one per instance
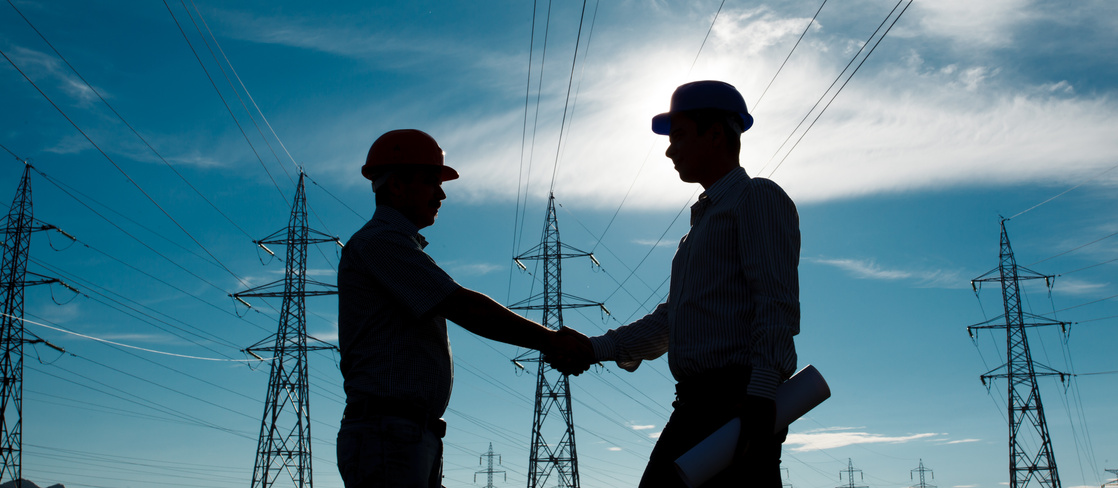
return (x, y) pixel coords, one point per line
(395, 219)
(725, 183)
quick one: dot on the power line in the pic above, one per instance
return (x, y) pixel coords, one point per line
(118, 168)
(224, 102)
(839, 77)
(707, 36)
(138, 348)
(121, 117)
(1058, 195)
(786, 58)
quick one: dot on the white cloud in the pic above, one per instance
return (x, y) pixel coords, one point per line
(667, 242)
(831, 438)
(473, 269)
(868, 269)
(962, 441)
(643, 427)
(904, 123)
(613, 449)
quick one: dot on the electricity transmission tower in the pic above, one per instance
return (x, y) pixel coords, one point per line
(921, 469)
(850, 475)
(490, 472)
(1025, 408)
(553, 392)
(1113, 482)
(13, 279)
(285, 431)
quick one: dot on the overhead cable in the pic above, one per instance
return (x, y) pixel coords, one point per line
(835, 95)
(106, 341)
(226, 103)
(121, 117)
(119, 169)
(789, 56)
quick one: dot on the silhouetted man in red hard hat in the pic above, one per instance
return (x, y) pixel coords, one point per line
(393, 303)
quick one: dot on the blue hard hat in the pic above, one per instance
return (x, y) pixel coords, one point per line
(703, 94)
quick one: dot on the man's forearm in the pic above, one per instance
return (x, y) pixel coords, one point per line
(483, 316)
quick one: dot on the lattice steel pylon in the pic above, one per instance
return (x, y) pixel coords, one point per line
(921, 469)
(1021, 372)
(13, 279)
(285, 431)
(490, 472)
(850, 475)
(553, 392)
(1113, 482)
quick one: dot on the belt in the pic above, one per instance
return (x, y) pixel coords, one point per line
(388, 407)
(726, 384)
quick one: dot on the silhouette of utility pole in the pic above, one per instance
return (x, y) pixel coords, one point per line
(850, 475)
(1113, 482)
(13, 279)
(921, 469)
(553, 392)
(285, 432)
(490, 472)
(1024, 397)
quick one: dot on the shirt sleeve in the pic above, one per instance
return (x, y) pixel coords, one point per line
(628, 345)
(408, 273)
(770, 254)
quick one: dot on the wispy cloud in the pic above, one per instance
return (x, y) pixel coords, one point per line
(868, 269)
(473, 269)
(832, 438)
(962, 441)
(660, 243)
(643, 427)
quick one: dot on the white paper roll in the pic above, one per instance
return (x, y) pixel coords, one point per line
(802, 392)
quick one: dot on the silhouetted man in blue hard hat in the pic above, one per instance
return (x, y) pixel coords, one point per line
(733, 306)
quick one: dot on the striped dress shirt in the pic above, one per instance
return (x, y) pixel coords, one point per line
(734, 295)
(392, 346)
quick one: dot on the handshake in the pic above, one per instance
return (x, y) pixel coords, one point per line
(569, 352)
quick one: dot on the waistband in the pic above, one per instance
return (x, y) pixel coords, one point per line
(391, 407)
(728, 383)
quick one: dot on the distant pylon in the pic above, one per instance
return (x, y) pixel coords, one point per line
(13, 279)
(1020, 371)
(850, 475)
(490, 472)
(1113, 482)
(553, 392)
(783, 475)
(285, 431)
(921, 469)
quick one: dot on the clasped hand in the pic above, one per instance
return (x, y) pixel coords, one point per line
(569, 352)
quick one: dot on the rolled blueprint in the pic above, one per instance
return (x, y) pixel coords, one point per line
(802, 392)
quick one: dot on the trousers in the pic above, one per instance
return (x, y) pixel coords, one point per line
(702, 406)
(391, 452)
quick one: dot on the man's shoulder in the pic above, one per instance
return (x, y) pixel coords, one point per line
(757, 188)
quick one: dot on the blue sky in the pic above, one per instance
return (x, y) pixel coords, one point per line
(966, 112)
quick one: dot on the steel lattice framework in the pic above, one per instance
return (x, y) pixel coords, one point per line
(17, 239)
(285, 431)
(553, 392)
(1030, 449)
(13, 280)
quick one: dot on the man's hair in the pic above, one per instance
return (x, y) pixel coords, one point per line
(705, 118)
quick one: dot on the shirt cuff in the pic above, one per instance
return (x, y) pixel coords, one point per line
(763, 383)
(604, 348)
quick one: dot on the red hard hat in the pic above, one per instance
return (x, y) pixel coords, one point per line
(405, 147)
